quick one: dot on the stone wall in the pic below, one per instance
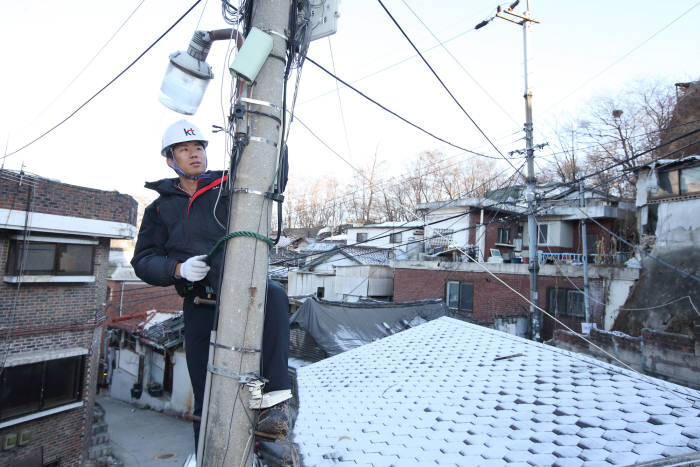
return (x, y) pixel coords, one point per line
(673, 357)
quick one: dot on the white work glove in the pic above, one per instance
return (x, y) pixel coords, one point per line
(194, 269)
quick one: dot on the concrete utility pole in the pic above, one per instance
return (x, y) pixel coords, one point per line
(584, 243)
(226, 436)
(524, 20)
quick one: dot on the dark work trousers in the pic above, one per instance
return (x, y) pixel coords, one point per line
(199, 320)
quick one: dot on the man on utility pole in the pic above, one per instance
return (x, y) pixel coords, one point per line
(235, 356)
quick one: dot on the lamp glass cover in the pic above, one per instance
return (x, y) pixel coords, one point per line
(181, 91)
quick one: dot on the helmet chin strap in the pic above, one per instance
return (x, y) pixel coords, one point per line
(180, 172)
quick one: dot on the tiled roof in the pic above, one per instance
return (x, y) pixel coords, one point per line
(318, 247)
(443, 393)
(369, 255)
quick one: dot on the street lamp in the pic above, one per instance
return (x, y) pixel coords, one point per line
(188, 74)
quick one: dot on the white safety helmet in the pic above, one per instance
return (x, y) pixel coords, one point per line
(180, 132)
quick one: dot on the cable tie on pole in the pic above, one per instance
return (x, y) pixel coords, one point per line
(243, 378)
(234, 349)
(262, 140)
(249, 191)
(275, 33)
(264, 103)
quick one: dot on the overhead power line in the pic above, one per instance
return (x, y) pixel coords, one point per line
(345, 83)
(444, 85)
(615, 62)
(119, 75)
(87, 65)
(459, 64)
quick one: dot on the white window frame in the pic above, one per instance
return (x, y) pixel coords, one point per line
(28, 358)
(51, 278)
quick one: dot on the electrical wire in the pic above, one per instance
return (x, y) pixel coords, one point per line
(459, 64)
(423, 130)
(119, 75)
(87, 65)
(340, 102)
(444, 85)
(615, 62)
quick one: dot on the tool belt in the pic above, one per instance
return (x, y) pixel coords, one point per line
(203, 293)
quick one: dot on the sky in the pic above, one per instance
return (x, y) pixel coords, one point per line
(579, 50)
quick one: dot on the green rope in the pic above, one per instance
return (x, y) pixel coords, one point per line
(229, 236)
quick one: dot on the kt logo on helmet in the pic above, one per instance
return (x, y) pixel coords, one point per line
(189, 131)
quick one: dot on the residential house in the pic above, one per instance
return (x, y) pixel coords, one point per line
(484, 292)
(494, 228)
(461, 235)
(343, 273)
(667, 295)
(469, 229)
(559, 226)
(54, 247)
(147, 362)
(404, 237)
(668, 200)
(453, 393)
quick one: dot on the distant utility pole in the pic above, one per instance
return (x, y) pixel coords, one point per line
(524, 20)
(227, 433)
(584, 247)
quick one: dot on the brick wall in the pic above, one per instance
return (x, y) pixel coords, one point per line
(493, 222)
(57, 198)
(52, 316)
(491, 297)
(139, 297)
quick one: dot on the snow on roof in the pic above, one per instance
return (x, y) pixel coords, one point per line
(391, 225)
(369, 255)
(449, 392)
(318, 247)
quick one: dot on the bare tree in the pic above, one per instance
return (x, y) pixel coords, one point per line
(614, 131)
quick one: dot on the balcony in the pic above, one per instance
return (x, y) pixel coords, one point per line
(577, 258)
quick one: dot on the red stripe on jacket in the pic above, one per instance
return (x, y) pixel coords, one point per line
(206, 188)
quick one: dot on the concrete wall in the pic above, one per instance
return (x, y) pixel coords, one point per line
(678, 224)
(459, 225)
(306, 283)
(381, 236)
(180, 401)
(354, 282)
(560, 235)
(673, 357)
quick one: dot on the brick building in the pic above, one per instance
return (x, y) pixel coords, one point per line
(469, 290)
(54, 246)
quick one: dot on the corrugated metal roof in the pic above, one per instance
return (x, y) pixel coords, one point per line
(453, 393)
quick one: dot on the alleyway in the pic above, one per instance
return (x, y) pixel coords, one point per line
(145, 438)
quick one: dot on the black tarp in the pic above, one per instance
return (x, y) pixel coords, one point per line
(340, 326)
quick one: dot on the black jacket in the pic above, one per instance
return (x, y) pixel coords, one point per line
(176, 227)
